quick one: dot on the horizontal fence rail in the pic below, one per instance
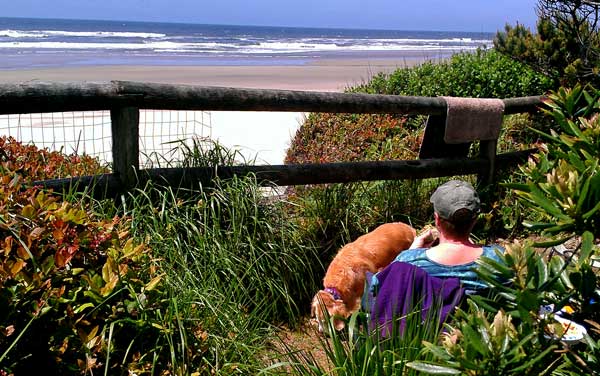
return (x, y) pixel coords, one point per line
(55, 97)
(296, 174)
(124, 99)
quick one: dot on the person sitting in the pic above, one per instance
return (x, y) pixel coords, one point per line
(438, 268)
(456, 205)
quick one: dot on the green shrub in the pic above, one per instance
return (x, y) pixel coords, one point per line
(563, 179)
(77, 292)
(327, 138)
(351, 137)
(181, 282)
(32, 163)
(565, 46)
(483, 74)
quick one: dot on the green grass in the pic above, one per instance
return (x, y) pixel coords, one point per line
(360, 350)
(234, 265)
(238, 263)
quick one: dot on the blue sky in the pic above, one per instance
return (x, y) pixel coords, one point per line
(458, 15)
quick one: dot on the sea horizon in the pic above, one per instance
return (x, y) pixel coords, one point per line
(246, 25)
(31, 43)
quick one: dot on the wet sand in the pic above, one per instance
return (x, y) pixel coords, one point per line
(321, 75)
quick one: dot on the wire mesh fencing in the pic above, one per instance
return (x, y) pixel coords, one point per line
(161, 132)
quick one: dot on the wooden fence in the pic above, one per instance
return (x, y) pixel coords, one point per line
(124, 100)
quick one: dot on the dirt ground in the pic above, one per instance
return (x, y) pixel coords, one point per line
(305, 341)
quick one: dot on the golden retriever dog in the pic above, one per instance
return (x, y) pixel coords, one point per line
(344, 281)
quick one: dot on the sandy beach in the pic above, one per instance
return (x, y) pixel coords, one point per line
(257, 135)
(320, 75)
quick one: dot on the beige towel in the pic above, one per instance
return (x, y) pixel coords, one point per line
(471, 119)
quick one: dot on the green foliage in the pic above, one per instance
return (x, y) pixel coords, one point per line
(74, 289)
(325, 138)
(201, 151)
(351, 137)
(506, 333)
(483, 74)
(477, 345)
(182, 282)
(563, 179)
(261, 260)
(566, 46)
(332, 215)
(34, 164)
(234, 264)
(361, 350)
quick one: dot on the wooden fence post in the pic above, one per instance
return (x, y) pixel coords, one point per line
(125, 144)
(487, 151)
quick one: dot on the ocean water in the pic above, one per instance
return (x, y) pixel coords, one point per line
(31, 43)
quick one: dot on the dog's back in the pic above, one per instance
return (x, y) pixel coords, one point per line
(382, 245)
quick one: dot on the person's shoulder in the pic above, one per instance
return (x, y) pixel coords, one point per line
(411, 254)
(493, 251)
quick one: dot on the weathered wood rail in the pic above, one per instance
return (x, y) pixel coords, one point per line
(124, 100)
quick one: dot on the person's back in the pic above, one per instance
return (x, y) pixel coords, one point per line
(462, 268)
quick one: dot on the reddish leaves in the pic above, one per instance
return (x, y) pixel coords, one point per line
(53, 257)
(326, 138)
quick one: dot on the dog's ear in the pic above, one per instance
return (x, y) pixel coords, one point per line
(321, 302)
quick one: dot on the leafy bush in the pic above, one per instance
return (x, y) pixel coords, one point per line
(327, 138)
(33, 164)
(351, 137)
(76, 291)
(182, 282)
(483, 74)
(564, 177)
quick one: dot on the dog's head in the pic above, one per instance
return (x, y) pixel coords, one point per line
(324, 307)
